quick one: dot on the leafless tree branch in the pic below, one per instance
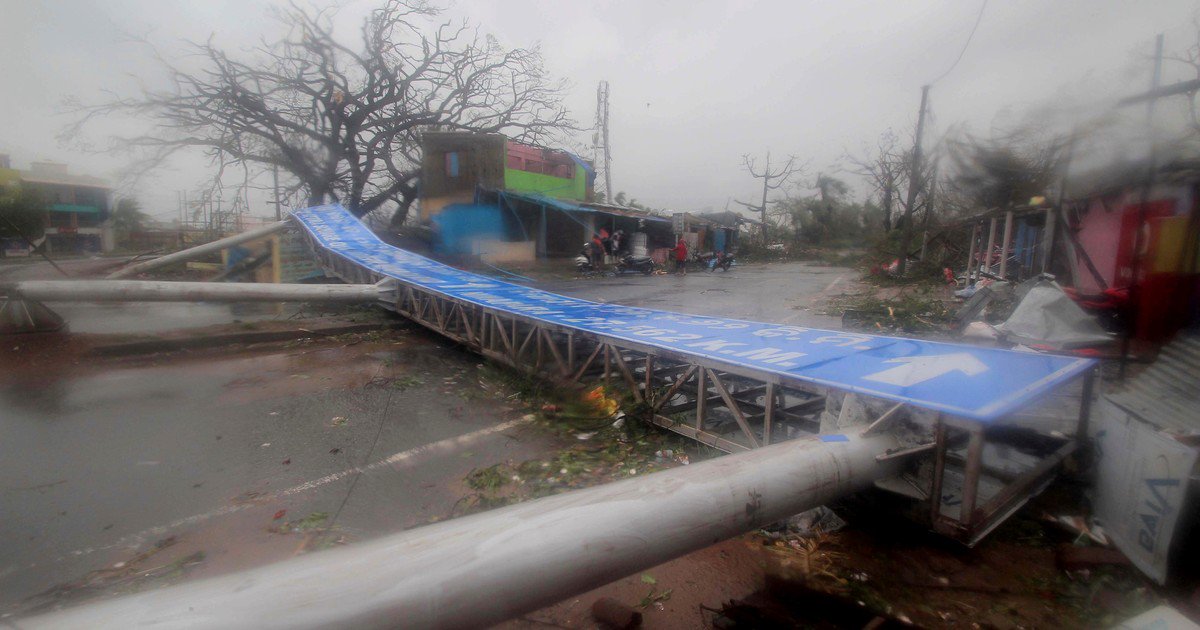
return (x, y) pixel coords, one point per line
(345, 122)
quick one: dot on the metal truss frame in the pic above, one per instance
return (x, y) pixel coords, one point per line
(730, 408)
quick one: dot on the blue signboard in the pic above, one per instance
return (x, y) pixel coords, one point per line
(977, 383)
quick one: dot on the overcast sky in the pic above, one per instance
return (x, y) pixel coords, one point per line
(695, 84)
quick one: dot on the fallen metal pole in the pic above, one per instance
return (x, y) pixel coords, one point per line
(155, 291)
(485, 568)
(199, 250)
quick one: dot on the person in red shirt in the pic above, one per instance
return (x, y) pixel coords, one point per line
(597, 252)
(680, 250)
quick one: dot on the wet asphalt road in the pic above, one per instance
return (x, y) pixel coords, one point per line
(101, 461)
(785, 293)
(102, 458)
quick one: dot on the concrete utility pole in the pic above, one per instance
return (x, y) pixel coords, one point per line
(914, 184)
(156, 291)
(200, 250)
(479, 570)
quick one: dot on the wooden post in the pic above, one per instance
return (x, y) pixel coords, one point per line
(1048, 240)
(1008, 225)
(971, 252)
(991, 245)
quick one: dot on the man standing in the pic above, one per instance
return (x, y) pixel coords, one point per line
(597, 252)
(680, 256)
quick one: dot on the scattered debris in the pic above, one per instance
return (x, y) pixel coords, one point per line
(980, 330)
(1159, 618)
(1046, 316)
(312, 522)
(1080, 526)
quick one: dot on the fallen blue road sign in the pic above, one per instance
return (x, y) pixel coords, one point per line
(982, 384)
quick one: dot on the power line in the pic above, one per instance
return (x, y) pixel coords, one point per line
(978, 19)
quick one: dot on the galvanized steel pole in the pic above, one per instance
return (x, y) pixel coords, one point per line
(482, 569)
(200, 250)
(154, 291)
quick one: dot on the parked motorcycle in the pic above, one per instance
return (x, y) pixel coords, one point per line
(583, 262)
(635, 264)
(722, 261)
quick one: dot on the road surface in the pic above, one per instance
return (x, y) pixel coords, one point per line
(107, 461)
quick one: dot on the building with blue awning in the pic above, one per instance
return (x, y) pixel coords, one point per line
(488, 196)
(76, 206)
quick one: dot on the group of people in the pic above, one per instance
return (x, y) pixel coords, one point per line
(605, 244)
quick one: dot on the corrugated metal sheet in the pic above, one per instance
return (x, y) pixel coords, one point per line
(1167, 394)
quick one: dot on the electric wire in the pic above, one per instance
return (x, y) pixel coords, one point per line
(978, 19)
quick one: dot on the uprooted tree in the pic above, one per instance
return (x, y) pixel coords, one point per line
(344, 121)
(1003, 171)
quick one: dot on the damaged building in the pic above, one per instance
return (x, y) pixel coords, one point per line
(1123, 246)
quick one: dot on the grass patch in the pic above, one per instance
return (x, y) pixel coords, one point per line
(599, 449)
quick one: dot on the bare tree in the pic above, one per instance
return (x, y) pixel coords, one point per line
(886, 168)
(772, 180)
(344, 122)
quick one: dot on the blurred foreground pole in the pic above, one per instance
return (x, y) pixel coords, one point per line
(199, 250)
(482, 569)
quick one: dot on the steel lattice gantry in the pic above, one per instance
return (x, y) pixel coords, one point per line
(734, 408)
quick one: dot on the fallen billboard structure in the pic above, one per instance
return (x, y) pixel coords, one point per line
(927, 420)
(738, 385)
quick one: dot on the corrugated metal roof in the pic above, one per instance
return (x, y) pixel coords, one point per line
(1167, 394)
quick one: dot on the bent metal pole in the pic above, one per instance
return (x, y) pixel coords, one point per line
(481, 569)
(199, 250)
(155, 291)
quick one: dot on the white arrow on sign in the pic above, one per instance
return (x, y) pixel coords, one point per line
(916, 370)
